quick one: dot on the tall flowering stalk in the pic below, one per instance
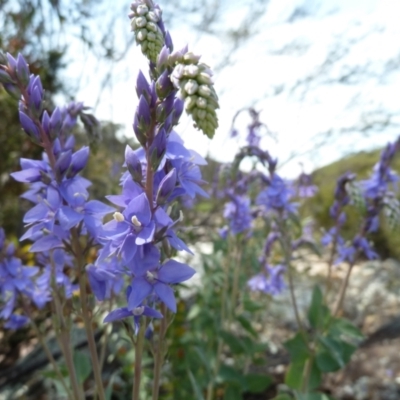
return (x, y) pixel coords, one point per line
(140, 241)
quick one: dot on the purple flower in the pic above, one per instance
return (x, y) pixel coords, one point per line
(277, 196)
(238, 212)
(269, 281)
(136, 313)
(157, 279)
(133, 227)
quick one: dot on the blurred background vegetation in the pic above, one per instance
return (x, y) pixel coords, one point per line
(37, 28)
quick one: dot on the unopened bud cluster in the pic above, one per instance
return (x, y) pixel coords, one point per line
(196, 88)
(148, 28)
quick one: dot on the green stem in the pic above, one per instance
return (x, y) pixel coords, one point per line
(287, 251)
(138, 360)
(48, 353)
(65, 344)
(342, 291)
(224, 294)
(159, 353)
(236, 273)
(76, 245)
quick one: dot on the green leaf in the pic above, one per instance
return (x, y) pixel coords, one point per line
(326, 362)
(246, 325)
(196, 388)
(230, 375)
(256, 383)
(333, 347)
(234, 343)
(194, 312)
(251, 306)
(233, 392)
(297, 348)
(312, 396)
(341, 326)
(202, 357)
(83, 365)
(318, 312)
(296, 372)
(294, 375)
(283, 396)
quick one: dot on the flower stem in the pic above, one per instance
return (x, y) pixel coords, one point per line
(158, 362)
(342, 291)
(138, 359)
(76, 245)
(48, 353)
(65, 344)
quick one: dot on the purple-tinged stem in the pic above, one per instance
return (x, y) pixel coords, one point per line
(78, 251)
(159, 353)
(138, 360)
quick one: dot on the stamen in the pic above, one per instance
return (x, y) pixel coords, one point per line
(135, 221)
(118, 216)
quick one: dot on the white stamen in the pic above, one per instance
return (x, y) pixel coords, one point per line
(138, 311)
(135, 221)
(118, 216)
(150, 276)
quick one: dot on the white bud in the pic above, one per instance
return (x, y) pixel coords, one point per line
(153, 16)
(142, 9)
(201, 114)
(191, 87)
(201, 102)
(204, 91)
(152, 37)
(180, 216)
(141, 35)
(135, 221)
(189, 56)
(178, 71)
(191, 70)
(190, 101)
(140, 22)
(203, 77)
(151, 26)
(118, 216)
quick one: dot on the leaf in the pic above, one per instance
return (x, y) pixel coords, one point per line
(256, 383)
(251, 306)
(312, 396)
(205, 361)
(318, 312)
(234, 343)
(194, 312)
(230, 375)
(233, 392)
(326, 363)
(297, 348)
(197, 390)
(295, 375)
(83, 366)
(333, 347)
(246, 325)
(341, 326)
(283, 396)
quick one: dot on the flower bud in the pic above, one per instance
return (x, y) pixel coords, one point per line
(29, 127)
(133, 164)
(22, 70)
(5, 77)
(167, 185)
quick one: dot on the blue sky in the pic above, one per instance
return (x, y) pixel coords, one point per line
(364, 35)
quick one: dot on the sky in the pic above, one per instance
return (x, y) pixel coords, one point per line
(282, 71)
